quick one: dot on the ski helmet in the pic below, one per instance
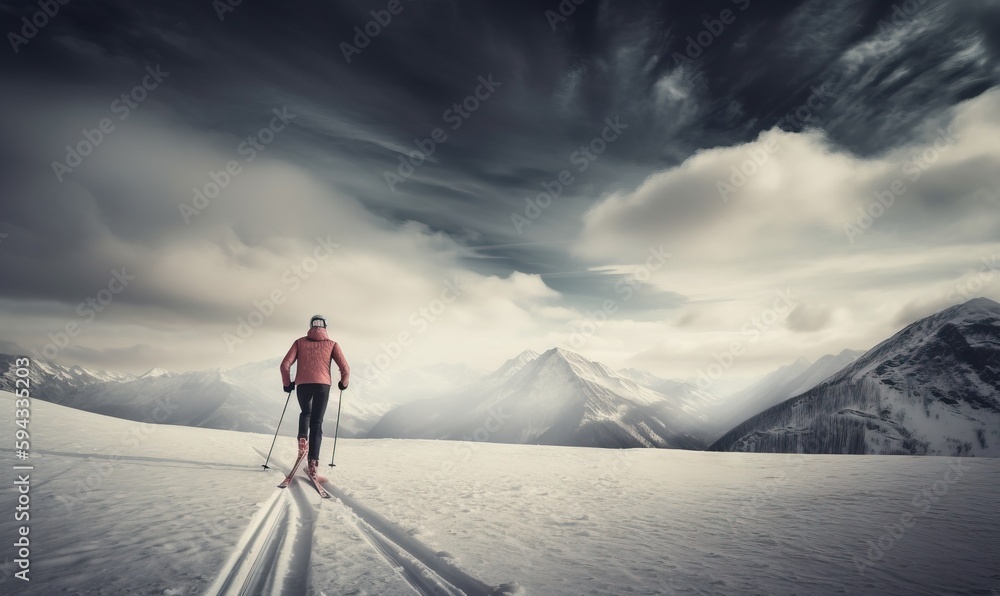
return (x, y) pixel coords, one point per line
(318, 321)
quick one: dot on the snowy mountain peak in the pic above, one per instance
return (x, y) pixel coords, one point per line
(563, 354)
(852, 354)
(155, 372)
(975, 309)
(972, 325)
(513, 365)
(981, 303)
(579, 365)
(556, 398)
(566, 355)
(799, 364)
(522, 359)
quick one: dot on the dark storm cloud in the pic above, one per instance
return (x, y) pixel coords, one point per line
(683, 76)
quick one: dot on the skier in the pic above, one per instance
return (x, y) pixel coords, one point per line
(312, 383)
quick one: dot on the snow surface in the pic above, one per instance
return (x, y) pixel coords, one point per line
(121, 507)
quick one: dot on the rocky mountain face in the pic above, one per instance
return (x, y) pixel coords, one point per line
(933, 388)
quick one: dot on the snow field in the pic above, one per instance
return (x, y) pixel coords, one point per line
(121, 508)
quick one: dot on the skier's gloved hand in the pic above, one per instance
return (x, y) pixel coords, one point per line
(289, 387)
(341, 386)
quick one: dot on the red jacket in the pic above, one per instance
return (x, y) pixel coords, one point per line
(314, 353)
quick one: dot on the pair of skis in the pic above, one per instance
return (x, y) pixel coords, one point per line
(312, 477)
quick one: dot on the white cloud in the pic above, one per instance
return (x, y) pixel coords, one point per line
(267, 234)
(784, 227)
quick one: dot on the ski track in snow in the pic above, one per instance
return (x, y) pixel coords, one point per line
(250, 568)
(272, 556)
(421, 567)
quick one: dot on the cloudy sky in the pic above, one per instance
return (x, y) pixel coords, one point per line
(186, 183)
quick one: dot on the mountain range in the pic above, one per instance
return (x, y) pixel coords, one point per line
(931, 389)
(784, 383)
(245, 398)
(556, 398)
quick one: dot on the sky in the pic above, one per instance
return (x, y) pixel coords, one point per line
(660, 185)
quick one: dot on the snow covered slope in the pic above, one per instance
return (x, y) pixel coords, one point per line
(119, 507)
(557, 398)
(933, 388)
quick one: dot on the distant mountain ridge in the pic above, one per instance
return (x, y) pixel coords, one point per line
(932, 388)
(784, 383)
(245, 398)
(512, 366)
(556, 398)
(155, 372)
(52, 381)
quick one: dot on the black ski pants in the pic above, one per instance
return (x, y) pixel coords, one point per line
(313, 398)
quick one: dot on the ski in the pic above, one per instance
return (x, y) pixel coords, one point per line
(295, 468)
(319, 487)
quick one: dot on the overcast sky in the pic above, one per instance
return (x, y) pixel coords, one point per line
(735, 181)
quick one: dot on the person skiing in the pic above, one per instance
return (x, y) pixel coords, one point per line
(314, 352)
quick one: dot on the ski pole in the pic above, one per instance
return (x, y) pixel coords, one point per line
(336, 432)
(264, 465)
